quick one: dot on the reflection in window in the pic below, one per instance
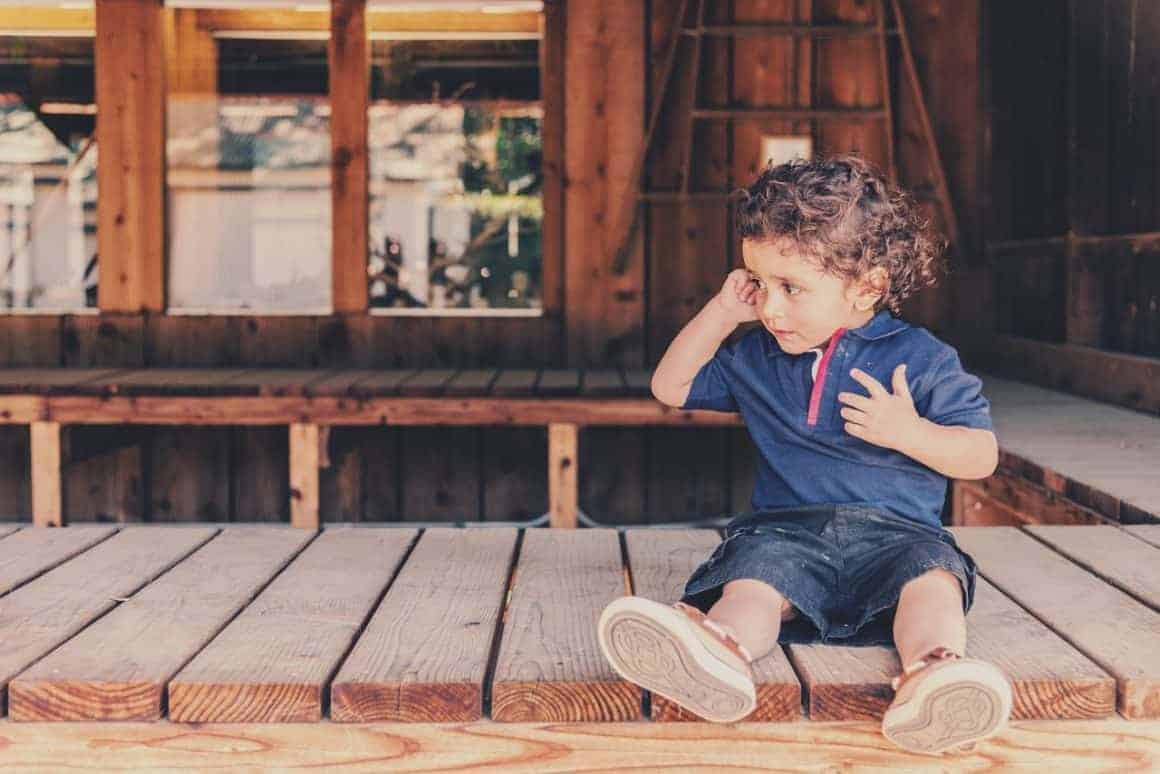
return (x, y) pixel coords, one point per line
(455, 194)
(48, 181)
(248, 158)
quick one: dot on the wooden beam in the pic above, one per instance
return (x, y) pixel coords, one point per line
(228, 20)
(1060, 745)
(326, 410)
(130, 90)
(349, 94)
(47, 508)
(304, 477)
(552, 93)
(42, 20)
(1124, 380)
(563, 463)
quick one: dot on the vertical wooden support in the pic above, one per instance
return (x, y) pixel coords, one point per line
(552, 97)
(349, 93)
(47, 510)
(130, 91)
(563, 462)
(304, 458)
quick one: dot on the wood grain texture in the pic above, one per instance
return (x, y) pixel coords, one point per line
(1111, 628)
(549, 666)
(1050, 678)
(1111, 553)
(660, 561)
(47, 484)
(424, 653)
(39, 616)
(304, 477)
(130, 97)
(116, 669)
(273, 662)
(32, 551)
(349, 90)
(1072, 745)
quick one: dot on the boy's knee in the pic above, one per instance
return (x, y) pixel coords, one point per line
(937, 577)
(762, 593)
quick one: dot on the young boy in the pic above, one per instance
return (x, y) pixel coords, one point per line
(858, 419)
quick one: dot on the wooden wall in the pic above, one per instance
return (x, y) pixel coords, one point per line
(609, 68)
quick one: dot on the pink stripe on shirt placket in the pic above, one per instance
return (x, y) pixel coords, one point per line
(820, 382)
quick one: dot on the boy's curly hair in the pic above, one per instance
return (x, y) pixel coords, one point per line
(844, 212)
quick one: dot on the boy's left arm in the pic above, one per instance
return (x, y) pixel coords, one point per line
(890, 420)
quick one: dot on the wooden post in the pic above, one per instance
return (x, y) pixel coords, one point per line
(130, 93)
(304, 438)
(349, 85)
(563, 462)
(47, 510)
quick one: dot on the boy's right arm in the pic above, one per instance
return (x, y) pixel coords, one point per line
(698, 341)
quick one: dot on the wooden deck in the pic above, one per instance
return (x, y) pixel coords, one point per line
(367, 635)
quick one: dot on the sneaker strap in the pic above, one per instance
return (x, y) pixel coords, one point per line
(940, 653)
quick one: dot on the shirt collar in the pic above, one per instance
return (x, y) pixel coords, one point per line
(881, 325)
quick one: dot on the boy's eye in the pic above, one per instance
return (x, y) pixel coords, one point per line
(792, 290)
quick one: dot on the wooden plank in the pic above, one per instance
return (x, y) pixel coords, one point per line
(515, 381)
(381, 382)
(172, 381)
(1062, 745)
(1050, 678)
(638, 381)
(660, 561)
(440, 474)
(47, 489)
(429, 381)
(156, 410)
(1124, 380)
(557, 382)
(304, 453)
(116, 669)
(472, 382)
(5, 531)
(31, 552)
(424, 654)
(1105, 448)
(549, 667)
(1112, 629)
(1116, 556)
(349, 89)
(1030, 503)
(45, 381)
(130, 97)
(552, 100)
(279, 381)
(563, 461)
(603, 382)
(515, 473)
(40, 615)
(273, 662)
(604, 68)
(1149, 533)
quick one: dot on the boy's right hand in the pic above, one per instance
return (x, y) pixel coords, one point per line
(738, 297)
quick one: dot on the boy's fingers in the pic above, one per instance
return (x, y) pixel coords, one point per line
(853, 429)
(855, 400)
(869, 382)
(899, 380)
(854, 415)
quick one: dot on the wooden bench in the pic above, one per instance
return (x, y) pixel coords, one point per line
(267, 645)
(1064, 459)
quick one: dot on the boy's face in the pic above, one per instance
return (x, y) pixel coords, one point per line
(797, 302)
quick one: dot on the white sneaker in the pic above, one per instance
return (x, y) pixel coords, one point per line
(677, 652)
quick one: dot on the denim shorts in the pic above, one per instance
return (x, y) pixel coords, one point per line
(842, 566)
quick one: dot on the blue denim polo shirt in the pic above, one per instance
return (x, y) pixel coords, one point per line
(804, 454)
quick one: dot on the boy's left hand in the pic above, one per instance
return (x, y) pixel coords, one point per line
(881, 419)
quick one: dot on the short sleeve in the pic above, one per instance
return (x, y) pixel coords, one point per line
(711, 388)
(951, 396)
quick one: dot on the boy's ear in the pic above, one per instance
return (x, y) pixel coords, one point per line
(870, 288)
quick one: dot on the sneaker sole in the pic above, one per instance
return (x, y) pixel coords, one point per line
(654, 646)
(961, 704)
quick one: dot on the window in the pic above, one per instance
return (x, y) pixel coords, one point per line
(248, 170)
(48, 181)
(454, 142)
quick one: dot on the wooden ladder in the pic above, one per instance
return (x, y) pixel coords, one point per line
(628, 221)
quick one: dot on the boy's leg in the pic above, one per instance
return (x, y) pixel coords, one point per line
(930, 614)
(744, 610)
